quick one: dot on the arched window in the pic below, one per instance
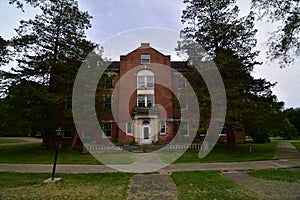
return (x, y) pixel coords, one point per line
(145, 79)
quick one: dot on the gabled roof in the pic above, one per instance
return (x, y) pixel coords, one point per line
(144, 46)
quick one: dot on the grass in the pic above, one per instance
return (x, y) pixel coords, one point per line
(37, 154)
(277, 174)
(209, 185)
(297, 145)
(221, 153)
(7, 141)
(72, 186)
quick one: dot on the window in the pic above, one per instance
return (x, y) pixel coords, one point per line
(183, 101)
(181, 82)
(129, 128)
(163, 128)
(145, 100)
(145, 59)
(107, 129)
(107, 101)
(184, 128)
(145, 79)
(108, 83)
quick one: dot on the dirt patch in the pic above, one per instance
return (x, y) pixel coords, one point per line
(266, 189)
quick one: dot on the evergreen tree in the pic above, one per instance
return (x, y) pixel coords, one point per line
(229, 42)
(50, 49)
(284, 43)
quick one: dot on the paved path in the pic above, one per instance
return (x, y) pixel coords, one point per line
(266, 189)
(233, 166)
(285, 150)
(152, 187)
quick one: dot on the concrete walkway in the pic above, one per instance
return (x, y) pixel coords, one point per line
(226, 166)
(266, 189)
(285, 150)
(152, 187)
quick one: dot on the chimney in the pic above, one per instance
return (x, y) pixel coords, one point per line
(145, 45)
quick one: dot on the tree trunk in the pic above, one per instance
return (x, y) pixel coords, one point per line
(74, 141)
(231, 139)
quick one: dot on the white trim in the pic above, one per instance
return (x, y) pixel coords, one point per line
(127, 133)
(188, 128)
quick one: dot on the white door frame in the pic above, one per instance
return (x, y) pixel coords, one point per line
(149, 139)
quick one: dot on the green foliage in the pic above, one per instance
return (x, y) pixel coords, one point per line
(288, 130)
(293, 114)
(229, 42)
(284, 44)
(3, 51)
(49, 49)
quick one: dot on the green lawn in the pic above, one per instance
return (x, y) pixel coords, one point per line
(297, 145)
(221, 153)
(277, 174)
(112, 186)
(7, 141)
(209, 185)
(37, 154)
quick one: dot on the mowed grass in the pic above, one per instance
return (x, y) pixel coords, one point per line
(209, 185)
(38, 154)
(8, 141)
(221, 153)
(277, 174)
(297, 145)
(108, 186)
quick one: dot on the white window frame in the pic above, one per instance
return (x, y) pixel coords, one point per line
(145, 59)
(131, 128)
(145, 97)
(143, 79)
(187, 127)
(160, 127)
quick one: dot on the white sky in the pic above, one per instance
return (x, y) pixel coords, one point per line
(111, 17)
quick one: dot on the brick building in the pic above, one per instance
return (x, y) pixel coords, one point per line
(140, 98)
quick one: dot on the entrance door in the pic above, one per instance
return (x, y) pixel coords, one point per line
(146, 133)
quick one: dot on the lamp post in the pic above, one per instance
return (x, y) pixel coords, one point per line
(59, 132)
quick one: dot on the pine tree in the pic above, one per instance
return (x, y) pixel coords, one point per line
(229, 42)
(50, 49)
(284, 42)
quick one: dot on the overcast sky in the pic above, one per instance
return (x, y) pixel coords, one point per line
(111, 17)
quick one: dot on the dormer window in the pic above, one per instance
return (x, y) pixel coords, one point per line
(145, 59)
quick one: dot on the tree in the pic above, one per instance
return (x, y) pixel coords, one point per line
(293, 115)
(50, 49)
(284, 43)
(229, 42)
(288, 130)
